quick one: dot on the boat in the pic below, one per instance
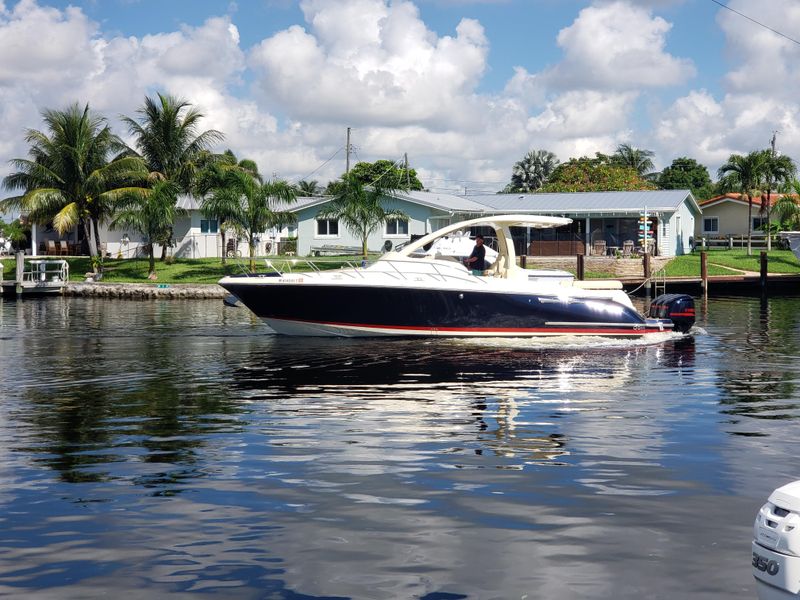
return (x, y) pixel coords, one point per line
(409, 292)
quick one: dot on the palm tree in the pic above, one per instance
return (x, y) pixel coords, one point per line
(251, 207)
(637, 159)
(68, 179)
(360, 208)
(152, 213)
(777, 169)
(308, 188)
(787, 208)
(532, 172)
(213, 176)
(167, 138)
(745, 172)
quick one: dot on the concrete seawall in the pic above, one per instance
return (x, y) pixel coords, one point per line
(137, 291)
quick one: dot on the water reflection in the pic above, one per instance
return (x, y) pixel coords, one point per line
(171, 447)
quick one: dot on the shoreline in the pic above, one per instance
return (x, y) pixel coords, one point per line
(145, 291)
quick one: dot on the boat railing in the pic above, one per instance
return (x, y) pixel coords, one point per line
(436, 271)
(358, 270)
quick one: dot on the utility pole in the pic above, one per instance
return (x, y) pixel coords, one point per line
(769, 195)
(347, 151)
(405, 166)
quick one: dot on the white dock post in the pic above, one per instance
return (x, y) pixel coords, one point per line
(20, 270)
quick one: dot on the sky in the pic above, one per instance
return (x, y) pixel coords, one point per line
(464, 88)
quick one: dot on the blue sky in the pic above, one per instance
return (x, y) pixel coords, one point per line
(465, 87)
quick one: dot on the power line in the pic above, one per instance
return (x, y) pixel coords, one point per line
(791, 39)
(319, 167)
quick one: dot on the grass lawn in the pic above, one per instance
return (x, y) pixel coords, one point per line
(182, 270)
(779, 261)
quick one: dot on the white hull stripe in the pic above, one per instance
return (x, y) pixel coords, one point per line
(293, 327)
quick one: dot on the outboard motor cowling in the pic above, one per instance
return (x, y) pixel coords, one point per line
(776, 545)
(679, 308)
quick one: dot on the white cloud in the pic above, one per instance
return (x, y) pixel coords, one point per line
(371, 63)
(618, 46)
(761, 96)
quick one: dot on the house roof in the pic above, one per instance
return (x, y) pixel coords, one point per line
(565, 203)
(736, 198)
(588, 202)
(187, 202)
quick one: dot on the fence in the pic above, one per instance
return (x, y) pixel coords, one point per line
(729, 242)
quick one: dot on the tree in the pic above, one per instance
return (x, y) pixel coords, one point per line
(687, 174)
(251, 206)
(68, 179)
(152, 213)
(532, 172)
(598, 174)
(308, 188)
(211, 177)
(787, 209)
(15, 232)
(634, 158)
(777, 170)
(745, 172)
(167, 138)
(360, 207)
(385, 174)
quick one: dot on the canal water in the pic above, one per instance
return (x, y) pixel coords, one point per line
(174, 447)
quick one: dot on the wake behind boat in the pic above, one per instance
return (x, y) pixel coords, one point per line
(412, 292)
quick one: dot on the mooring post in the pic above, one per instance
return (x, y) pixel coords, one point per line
(763, 270)
(646, 269)
(523, 261)
(20, 270)
(581, 268)
(704, 271)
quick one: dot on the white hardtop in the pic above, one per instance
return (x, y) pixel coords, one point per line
(501, 225)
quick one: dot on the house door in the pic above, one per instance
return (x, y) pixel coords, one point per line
(678, 236)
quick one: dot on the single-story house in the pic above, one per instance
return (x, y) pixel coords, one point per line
(601, 220)
(726, 215)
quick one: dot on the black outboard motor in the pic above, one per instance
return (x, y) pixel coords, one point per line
(679, 308)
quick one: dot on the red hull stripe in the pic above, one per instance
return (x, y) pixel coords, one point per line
(682, 314)
(590, 330)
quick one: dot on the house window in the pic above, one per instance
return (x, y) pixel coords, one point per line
(209, 226)
(758, 223)
(397, 227)
(711, 225)
(327, 227)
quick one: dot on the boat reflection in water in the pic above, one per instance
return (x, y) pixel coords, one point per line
(466, 389)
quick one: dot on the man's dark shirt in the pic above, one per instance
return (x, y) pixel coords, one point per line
(480, 253)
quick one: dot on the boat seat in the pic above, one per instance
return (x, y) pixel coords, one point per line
(498, 269)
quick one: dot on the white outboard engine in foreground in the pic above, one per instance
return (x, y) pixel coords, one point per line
(776, 545)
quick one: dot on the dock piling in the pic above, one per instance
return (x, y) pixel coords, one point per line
(581, 267)
(20, 257)
(763, 278)
(704, 272)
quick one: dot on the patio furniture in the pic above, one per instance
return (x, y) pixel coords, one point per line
(64, 248)
(627, 248)
(599, 248)
(51, 248)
